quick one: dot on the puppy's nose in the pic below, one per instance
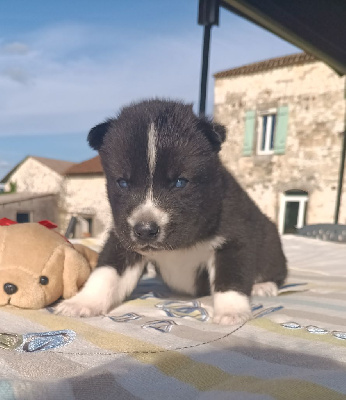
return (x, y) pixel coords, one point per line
(146, 230)
(10, 288)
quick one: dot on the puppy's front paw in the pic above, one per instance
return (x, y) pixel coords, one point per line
(79, 307)
(231, 308)
(232, 318)
(98, 295)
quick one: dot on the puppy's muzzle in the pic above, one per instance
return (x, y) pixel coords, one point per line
(146, 231)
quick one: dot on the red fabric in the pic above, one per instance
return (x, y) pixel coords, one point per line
(7, 222)
(48, 224)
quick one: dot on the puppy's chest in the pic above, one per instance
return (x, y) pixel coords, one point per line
(180, 268)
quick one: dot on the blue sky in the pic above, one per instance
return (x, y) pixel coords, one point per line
(67, 65)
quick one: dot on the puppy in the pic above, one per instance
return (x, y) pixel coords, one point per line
(175, 205)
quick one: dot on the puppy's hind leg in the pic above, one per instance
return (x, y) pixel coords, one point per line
(109, 284)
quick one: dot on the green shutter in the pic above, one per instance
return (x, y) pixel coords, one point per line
(250, 123)
(281, 130)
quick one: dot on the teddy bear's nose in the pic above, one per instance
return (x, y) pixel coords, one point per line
(10, 288)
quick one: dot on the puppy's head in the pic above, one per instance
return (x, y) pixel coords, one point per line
(163, 174)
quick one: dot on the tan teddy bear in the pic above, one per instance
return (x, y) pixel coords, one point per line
(38, 266)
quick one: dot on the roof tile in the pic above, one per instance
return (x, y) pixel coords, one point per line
(266, 65)
(58, 166)
(92, 166)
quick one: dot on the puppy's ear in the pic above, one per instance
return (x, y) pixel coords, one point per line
(96, 135)
(216, 133)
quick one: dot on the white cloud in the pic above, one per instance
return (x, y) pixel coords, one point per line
(16, 74)
(70, 77)
(4, 164)
(15, 48)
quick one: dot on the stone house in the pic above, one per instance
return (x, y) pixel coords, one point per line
(58, 191)
(36, 182)
(284, 120)
(37, 175)
(83, 196)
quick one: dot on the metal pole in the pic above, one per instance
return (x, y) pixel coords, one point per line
(71, 227)
(204, 74)
(341, 179)
(341, 172)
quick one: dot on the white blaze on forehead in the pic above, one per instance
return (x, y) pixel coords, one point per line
(151, 154)
(148, 210)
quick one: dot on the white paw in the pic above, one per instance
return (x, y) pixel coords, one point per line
(264, 289)
(235, 318)
(75, 307)
(102, 291)
(231, 308)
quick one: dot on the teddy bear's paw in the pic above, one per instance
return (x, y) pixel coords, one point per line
(75, 307)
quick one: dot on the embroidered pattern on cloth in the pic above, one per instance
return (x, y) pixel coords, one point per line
(125, 317)
(34, 342)
(182, 309)
(162, 326)
(315, 330)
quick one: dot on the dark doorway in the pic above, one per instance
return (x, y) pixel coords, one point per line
(291, 216)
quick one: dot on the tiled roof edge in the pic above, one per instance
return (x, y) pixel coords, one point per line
(266, 65)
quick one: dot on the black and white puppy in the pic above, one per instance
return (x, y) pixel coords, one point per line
(175, 205)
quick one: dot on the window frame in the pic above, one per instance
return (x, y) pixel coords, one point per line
(260, 116)
(87, 220)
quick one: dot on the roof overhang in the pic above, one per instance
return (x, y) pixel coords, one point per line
(316, 26)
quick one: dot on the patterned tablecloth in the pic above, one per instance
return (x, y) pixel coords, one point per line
(161, 346)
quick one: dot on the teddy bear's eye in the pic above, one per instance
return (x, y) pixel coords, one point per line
(44, 280)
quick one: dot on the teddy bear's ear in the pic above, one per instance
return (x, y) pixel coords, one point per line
(76, 272)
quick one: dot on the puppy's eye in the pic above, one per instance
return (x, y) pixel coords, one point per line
(123, 183)
(181, 183)
(44, 280)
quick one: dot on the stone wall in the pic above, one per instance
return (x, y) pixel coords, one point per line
(40, 208)
(315, 97)
(85, 195)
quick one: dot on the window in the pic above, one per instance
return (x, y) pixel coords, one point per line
(80, 226)
(23, 217)
(268, 128)
(84, 226)
(89, 232)
(266, 132)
